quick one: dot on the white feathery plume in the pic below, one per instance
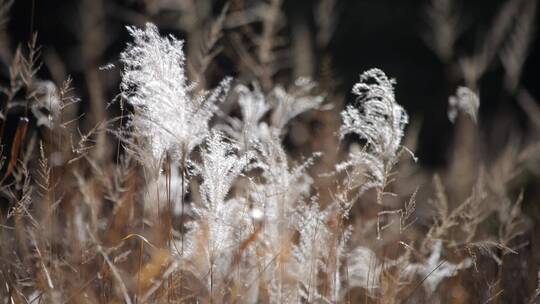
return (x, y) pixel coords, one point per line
(312, 250)
(379, 120)
(253, 106)
(434, 270)
(465, 101)
(364, 269)
(219, 222)
(168, 115)
(293, 102)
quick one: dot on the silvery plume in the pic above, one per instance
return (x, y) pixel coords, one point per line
(465, 101)
(378, 120)
(168, 115)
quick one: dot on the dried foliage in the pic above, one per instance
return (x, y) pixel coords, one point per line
(204, 200)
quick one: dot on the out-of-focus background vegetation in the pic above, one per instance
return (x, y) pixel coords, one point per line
(80, 35)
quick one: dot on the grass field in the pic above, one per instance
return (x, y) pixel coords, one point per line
(233, 166)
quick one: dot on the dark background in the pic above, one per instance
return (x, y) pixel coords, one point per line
(369, 33)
